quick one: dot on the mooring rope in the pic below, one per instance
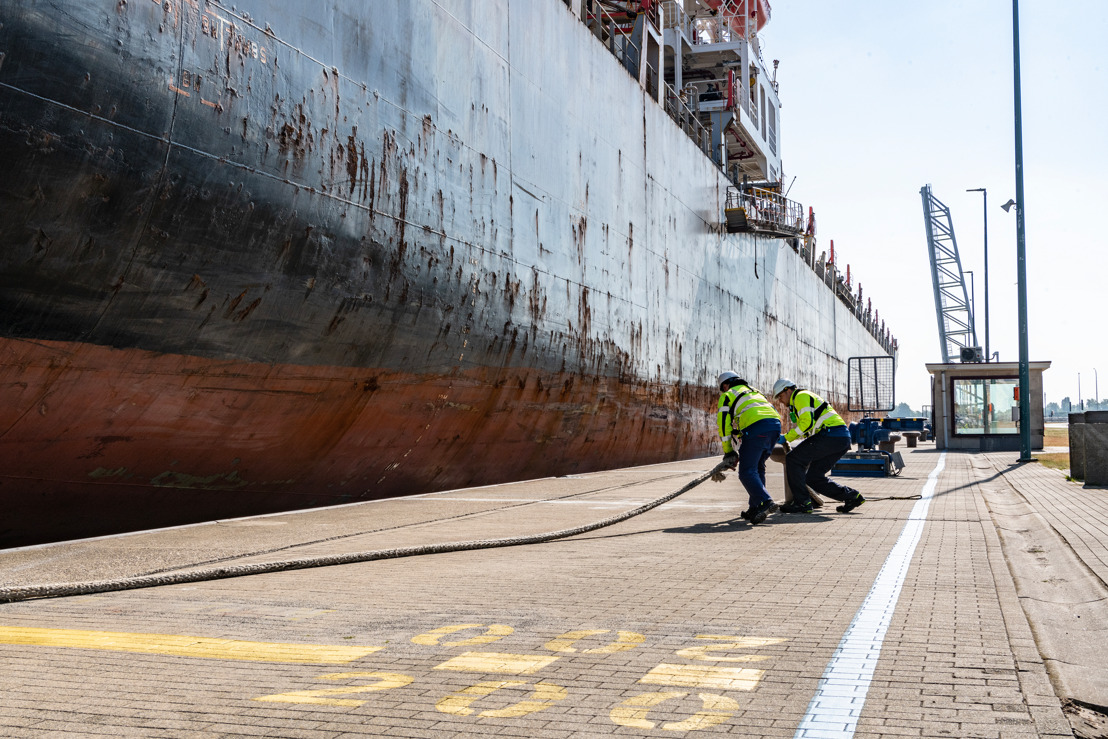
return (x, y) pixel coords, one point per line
(29, 592)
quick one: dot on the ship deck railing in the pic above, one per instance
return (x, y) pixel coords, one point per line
(675, 17)
(756, 209)
(614, 30)
(687, 119)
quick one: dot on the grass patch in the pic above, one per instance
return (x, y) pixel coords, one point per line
(1057, 461)
(1056, 437)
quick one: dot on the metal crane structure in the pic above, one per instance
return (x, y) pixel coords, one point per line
(957, 333)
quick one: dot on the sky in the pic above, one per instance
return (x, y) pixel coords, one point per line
(881, 97)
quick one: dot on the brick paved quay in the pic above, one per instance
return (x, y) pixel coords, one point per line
(684, 620)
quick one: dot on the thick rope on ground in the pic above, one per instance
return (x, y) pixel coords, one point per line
(29, 592)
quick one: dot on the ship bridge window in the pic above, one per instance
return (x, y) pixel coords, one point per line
(985, 406)
(771, 113)
(762, 106)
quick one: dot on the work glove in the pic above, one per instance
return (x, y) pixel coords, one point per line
(731, 459)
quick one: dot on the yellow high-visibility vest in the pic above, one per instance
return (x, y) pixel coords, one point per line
(811, 414)
(739, 407)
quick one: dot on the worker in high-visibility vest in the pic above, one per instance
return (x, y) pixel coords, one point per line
(747, 419)
(820, 438)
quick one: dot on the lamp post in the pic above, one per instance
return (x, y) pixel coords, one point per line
(1080, 402)
(985, 205)
(1096, 389)
(973, 306)
(1021, 247)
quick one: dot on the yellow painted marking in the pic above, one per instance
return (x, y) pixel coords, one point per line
(697, 676)
(717, 709)
(627, 640)
(495, 632)
(544, 696)
(185, 646)
(728, 643)
(386, 681)
(498, 662)
(564, 643)
(632, 712)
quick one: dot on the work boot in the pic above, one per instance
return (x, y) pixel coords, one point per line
(745, 515)
(759, 514)
(851, 503)
(797, 507)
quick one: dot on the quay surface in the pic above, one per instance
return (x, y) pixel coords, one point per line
(977, 610)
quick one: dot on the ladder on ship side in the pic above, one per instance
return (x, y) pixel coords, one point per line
(957, 334)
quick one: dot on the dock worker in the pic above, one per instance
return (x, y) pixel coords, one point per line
(823, 439)
(747, 419)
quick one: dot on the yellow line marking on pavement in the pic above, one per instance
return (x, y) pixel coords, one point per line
(564, 643)
(633, 711)
(728, 643)
(543, 697)
(498, 662)
(386, 681)
(697, 676)
(717, 709)
(495, 633)
(184, 646)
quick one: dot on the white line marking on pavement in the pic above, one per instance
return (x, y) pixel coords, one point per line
(837, 705)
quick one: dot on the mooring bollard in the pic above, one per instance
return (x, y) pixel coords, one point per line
(1095, 452)
(778, 455)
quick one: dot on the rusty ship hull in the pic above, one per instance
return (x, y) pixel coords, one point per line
(283, 255)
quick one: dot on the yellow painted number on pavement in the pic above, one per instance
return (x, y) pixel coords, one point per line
(564, 643)
(544, 696)
(385, 681)
(728, 643)
(633, 711)
(495, 632)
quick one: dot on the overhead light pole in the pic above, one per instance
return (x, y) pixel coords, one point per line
(1021, 248)
(985, 213)
(972, 306)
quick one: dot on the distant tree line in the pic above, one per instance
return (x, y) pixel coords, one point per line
(1063, 409)
(905, 411)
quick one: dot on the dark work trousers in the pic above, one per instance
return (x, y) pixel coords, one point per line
(808, 463)
(757, 442)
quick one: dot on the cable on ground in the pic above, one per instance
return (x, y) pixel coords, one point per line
(29, 592)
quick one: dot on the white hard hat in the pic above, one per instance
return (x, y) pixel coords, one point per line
(725, 377)
(782, 385)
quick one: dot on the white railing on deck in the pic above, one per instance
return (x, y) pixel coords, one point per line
(679, 110)
(674, 16)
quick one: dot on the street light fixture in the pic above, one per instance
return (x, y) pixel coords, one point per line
(985, 212)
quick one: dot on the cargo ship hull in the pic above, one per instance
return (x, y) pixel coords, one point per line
(297, 254)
